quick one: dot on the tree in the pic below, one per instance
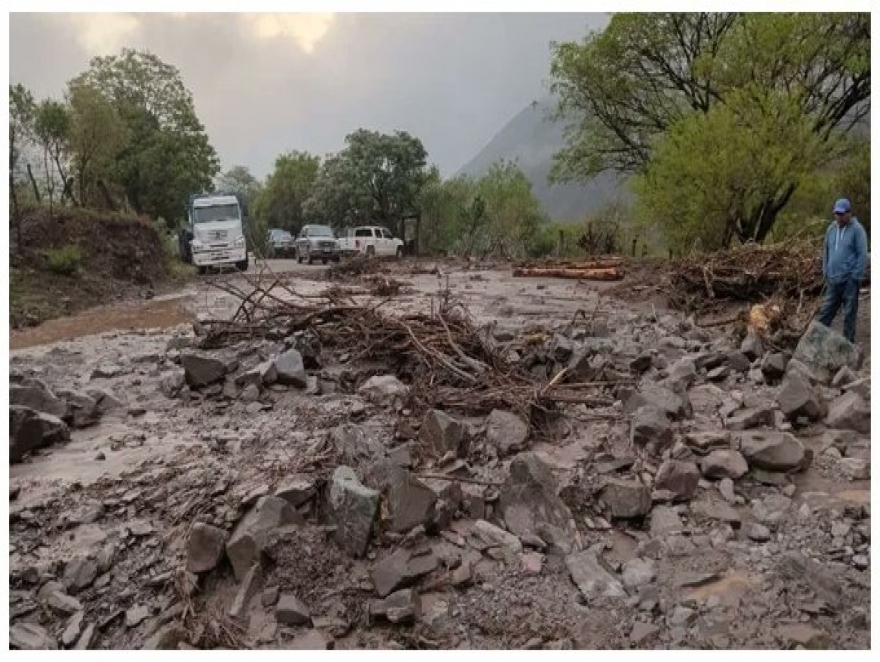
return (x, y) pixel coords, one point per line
(375, 178)
(168, 155)
(280, 203)
(627, 87)
(449, 211)
(21, 117)
(52, 126)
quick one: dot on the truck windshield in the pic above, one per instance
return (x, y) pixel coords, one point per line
(320, 231)
(215, 213)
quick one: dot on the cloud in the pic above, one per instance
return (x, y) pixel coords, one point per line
(104, 34)
(307, 30)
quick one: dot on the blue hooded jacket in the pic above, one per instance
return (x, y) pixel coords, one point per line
(846, 252)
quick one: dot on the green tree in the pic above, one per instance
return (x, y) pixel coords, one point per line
(168, 155)
(21, 118)
(375, 178)
(52, 125)
(627, 87)
(450, 210)
(280, 203)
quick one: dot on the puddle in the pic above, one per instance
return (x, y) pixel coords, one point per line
(160, 313)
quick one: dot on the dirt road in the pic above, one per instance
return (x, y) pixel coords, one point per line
(713, 564)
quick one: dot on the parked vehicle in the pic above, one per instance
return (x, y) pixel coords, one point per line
(317, 242)
(214, 234)
(279, 243)
(371, 240)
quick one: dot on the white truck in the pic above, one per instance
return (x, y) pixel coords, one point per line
(214, 235)
(371, 240)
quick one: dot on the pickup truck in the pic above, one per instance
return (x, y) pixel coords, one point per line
(316, 242)
(371, 240)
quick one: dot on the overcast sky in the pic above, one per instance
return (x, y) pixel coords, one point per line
(268, 83)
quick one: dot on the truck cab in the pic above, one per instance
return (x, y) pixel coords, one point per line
(214, 235)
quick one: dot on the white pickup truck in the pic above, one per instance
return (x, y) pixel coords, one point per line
(371, 240)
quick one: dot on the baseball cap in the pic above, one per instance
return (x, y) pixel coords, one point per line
(842, 206)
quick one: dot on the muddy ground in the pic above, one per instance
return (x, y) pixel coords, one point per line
(775, 559)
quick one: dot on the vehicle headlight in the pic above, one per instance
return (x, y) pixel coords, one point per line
(196, 244)
(239, 241)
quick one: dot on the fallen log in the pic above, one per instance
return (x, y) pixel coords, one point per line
(600, 263)
(607, 274)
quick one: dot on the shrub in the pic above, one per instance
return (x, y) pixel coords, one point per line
(65, 261)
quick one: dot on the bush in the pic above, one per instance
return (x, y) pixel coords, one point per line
(65, 261)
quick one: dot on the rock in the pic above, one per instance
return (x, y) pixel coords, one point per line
(797, 398)
(270, 596)
(682, 374)
(665, 521)
(642, 632)
(506, 432)
(585, 366)
(30, 636)
(82, 408)
(803, 634)
(263, 374)
(773, 366)
(794, 566)
(718, 374)
(443, 434)
(408, 502)
(297, 490)
(106, 371)
(772, 451)
(650, 429)
(399, 607)
(204, 548)
(31, 430)
(759, 533)
(352, 509)
(752, 347)
(493, 535)
(79, 573)
(530, 505)
(626, 499)
(680, 478)
(250, 393)
(642, 363)
(682, 615)
(254, 532)
(290, 370)
(355, 444)
(825, 352)
(401, 569)
(746, 419)
(675, 405)
(724, 463)
(384, 389)
(738, 362)
(39, 398)
(704, 441)
(167, 637)
(638, 572)
(850, 412)
(136, 615)
(171, 383)
(247, 589)
(591, 577)
(843, 377)
(200, 370)
(725, 488)
(716, 510)
(855, 468)
(532, 563)
(72, 629)
(59, 601)
(313, 640)
(291, 611)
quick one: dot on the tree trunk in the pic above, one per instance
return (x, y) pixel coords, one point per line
(33, 182)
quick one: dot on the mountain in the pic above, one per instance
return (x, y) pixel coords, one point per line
(531, 139)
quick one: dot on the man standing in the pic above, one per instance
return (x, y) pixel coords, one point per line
(843, 267)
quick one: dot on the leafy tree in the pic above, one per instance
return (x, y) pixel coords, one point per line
(52, 125)
(646, 75)
(168, 155)
(375, 178)
(21, 117)
(449, 210)
(238, 179)
(280, 203)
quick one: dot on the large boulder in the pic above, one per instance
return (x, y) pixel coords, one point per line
(724, 463)
(204, 547)
(675, 405)
(506, 432)
(400, 569)
(82, 408)
(678, 477)
(650, 429)
(824, 351)
(290, 369)
(256, 531)
(408, 502)
(30, 430)
(201, 370)
(626, 499)
(443, 434)
(355, 444)
(384, 390)
(850, 412)
(351, 508)
(772, 451)
(797, 398)
(38, 398)
(530, 505)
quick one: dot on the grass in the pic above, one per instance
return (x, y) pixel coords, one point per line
(64, 261)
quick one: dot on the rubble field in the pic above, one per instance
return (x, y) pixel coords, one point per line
(434, 458)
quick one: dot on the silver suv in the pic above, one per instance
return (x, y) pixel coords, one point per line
(317, 242)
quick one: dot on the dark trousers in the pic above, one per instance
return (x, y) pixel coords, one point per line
(844, 294)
